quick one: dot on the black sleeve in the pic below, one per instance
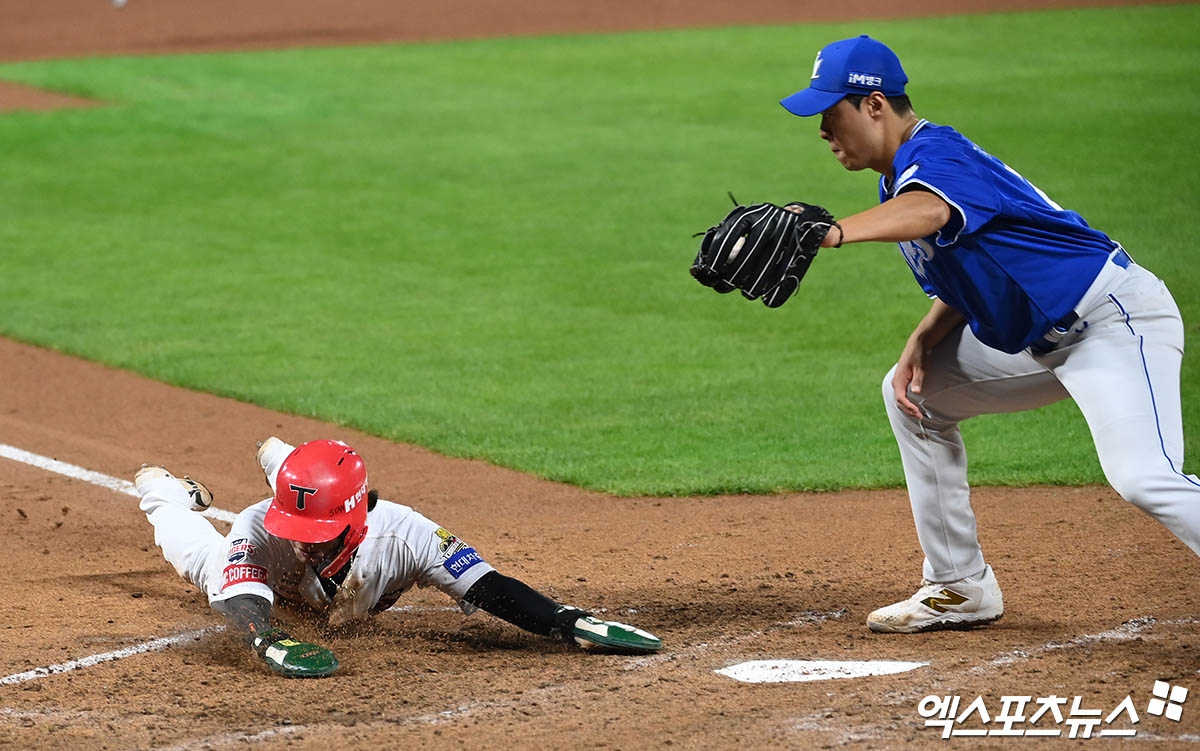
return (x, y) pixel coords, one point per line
(246, 614)
(522, 605)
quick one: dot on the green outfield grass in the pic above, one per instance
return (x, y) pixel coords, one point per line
(482, 247)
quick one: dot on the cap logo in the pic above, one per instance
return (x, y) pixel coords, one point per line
(865, 79)
(301, 492)
(817, 65)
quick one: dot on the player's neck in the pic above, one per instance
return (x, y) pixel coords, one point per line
(897, 131)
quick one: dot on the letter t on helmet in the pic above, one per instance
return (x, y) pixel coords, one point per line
(321, 493)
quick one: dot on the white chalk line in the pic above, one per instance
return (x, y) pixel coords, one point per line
(422, 609)
(122, 486)
(1126, 631)
(119, 486)
(229, 739)
(506, 705)
(96, 478)
(43, 714)
(154, 645)
(497, 704)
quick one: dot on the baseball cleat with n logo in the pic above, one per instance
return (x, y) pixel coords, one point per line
(943, 605)
(946, 598)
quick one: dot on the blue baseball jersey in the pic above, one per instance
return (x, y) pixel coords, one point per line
(1011, 260)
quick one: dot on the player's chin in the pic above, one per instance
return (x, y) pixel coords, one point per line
(850, 163)
(843, 159)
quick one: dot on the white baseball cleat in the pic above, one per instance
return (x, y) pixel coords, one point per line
(943, 605)
(195, 496)
(271, 454)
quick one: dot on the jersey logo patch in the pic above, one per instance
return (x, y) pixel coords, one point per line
(458, 564)
(242, 573)
(917, 253)
(446, 538)
(239, 549)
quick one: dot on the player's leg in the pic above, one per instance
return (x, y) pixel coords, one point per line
(1124, 375)
(963, 378)
(189, 542)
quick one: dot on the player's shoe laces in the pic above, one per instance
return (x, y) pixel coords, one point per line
(151, 478)
(941, 605)
(593, 633)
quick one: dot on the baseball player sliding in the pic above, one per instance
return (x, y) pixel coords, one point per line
(326, 539)
(1030, 306)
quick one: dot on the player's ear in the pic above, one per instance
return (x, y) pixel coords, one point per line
(876, 104)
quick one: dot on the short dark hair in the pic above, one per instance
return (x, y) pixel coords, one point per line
(900, 103)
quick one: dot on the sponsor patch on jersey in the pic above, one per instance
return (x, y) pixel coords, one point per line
(451, 551)
(239, 549)
(240, 573)
(446, 538)
(464, 559)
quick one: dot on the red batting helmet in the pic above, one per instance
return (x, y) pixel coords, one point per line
(320, 494)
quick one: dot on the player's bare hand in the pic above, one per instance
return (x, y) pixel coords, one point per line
(909, 376)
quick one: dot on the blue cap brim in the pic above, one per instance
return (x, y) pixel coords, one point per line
(811, 102)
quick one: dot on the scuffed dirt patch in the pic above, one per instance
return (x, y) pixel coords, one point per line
(15, 97)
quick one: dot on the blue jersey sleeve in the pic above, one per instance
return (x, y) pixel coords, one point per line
(943, 168)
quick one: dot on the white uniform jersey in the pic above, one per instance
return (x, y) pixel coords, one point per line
(401, 548)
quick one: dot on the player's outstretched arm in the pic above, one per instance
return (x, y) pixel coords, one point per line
(908, 216)
(524, 607)
(249, 617)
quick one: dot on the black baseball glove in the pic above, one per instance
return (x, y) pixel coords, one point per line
(763, 250)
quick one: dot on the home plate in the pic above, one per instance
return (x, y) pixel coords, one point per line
(795, 671)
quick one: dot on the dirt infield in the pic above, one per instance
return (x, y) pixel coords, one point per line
(68, 28)
(1096, 607)
(1101, 600)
